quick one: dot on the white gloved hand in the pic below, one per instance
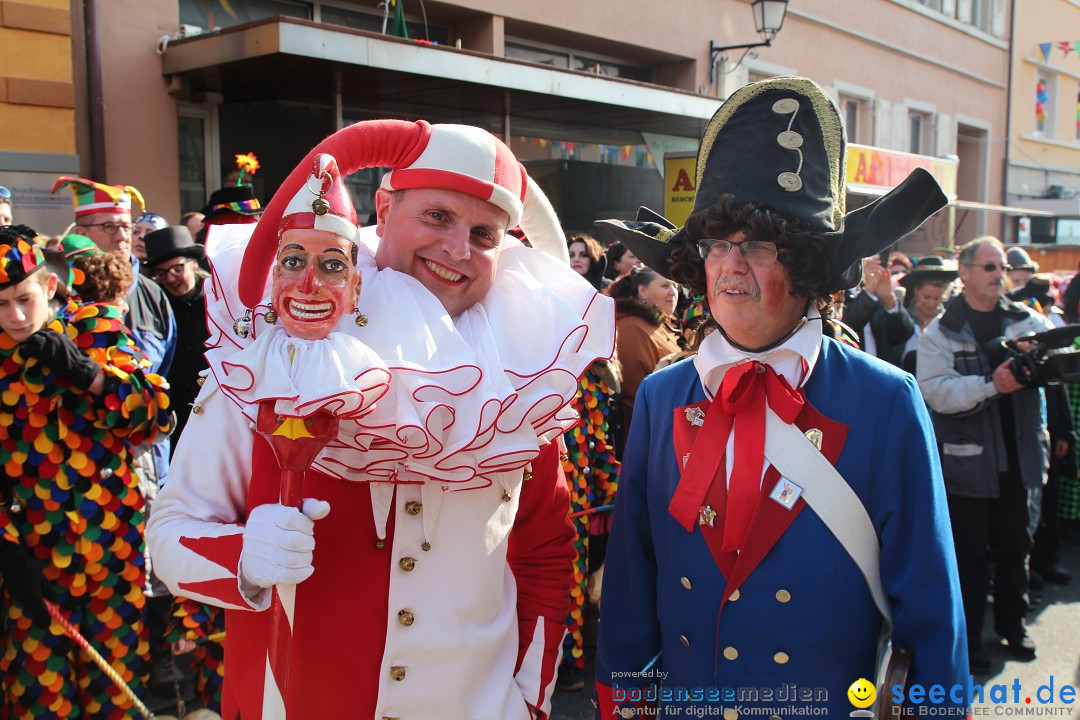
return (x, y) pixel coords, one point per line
(278, 544)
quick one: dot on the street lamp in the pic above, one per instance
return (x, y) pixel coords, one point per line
(768, 19)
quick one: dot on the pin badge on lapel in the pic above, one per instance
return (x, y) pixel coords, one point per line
(695, 416)
(706, 516)
(786, 493)
(814, 435)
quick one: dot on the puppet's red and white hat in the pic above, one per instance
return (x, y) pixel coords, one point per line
(322, 202)
(420, 155)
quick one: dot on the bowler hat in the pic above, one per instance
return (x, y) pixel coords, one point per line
(930, 267)
(170, 242)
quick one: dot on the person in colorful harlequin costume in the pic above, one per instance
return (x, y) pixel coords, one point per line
(732, 585)
(432, 556)
(74, 398)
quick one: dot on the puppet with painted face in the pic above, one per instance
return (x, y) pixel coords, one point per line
(298, 356)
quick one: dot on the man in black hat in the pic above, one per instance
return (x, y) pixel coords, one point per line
(173, 258)
(780, 507)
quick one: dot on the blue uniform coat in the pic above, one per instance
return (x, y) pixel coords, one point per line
(799, 627)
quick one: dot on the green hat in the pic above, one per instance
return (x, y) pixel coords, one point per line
(76, 244)
(779, 144)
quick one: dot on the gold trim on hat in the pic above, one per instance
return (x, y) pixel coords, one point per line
(832, 130)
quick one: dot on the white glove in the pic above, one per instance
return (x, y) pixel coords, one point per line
(278, 544)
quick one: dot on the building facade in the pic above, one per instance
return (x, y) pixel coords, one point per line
(591, 96)
(1044, 136)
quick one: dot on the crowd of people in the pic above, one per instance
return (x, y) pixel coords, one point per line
(640, 450)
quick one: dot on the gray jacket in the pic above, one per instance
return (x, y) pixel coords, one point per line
(954, 376)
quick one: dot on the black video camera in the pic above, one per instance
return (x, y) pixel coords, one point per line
(1051, 358)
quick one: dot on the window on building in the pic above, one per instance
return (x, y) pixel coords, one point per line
(921, 133)
(210, 16)
(932, 4)
(533, 54)
(1078, 116)
(567, 58)
(853, 111)
(1044, 104)
(198, 152)
(982, 14)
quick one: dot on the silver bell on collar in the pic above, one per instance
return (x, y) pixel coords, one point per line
(242, 327)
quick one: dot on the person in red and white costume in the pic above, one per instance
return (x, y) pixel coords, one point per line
(437, 581)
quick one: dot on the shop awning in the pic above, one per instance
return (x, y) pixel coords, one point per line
(872, 191)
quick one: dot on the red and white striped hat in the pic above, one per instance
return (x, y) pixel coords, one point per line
(420, 155)
(470, 160)
(335, 213)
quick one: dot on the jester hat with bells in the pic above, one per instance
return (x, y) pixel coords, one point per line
(779, 144)
(420, 155)
(93, 197)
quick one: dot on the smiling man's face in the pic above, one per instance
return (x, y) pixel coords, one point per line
(446, 239)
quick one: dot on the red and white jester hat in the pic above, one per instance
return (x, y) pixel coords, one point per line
(420, 155)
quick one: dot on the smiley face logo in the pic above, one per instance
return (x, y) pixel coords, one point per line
(861, 694)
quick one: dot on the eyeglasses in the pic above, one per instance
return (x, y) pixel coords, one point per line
(755, 251)
(991, 267)
(174, 270)
(5, 194)
(110, 228)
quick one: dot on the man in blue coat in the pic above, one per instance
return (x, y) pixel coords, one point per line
(781, 510)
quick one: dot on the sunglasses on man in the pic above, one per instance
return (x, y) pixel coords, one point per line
(991, 267)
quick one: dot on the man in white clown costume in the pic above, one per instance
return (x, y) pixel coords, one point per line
(427, 572)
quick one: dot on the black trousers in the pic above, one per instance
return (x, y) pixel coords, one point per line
(1002, 524)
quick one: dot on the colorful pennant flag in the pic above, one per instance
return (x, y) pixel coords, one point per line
(1044, 50)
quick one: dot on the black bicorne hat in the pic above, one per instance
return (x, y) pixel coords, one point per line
(779, 144)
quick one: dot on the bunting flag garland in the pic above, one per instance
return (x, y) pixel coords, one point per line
(1066, 47)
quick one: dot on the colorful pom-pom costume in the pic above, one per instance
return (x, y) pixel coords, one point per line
(72, 510)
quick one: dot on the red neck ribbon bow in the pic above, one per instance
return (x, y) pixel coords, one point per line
(743, 394)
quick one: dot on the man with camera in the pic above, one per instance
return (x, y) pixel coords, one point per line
(992, 435)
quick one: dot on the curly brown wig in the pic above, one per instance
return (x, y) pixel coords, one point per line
(803, 253)
(105, 276)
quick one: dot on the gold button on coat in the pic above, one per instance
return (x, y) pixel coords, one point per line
(406, 618)
(397, 672)
(412, 507)
(734, 596)
(731, 653)
(783, 596)
(407, 564)
(780, 658)
(684, 640)
(685, 582)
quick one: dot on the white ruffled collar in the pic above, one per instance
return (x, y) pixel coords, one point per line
(466, 398)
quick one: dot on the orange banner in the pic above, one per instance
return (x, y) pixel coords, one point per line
(885, 169)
